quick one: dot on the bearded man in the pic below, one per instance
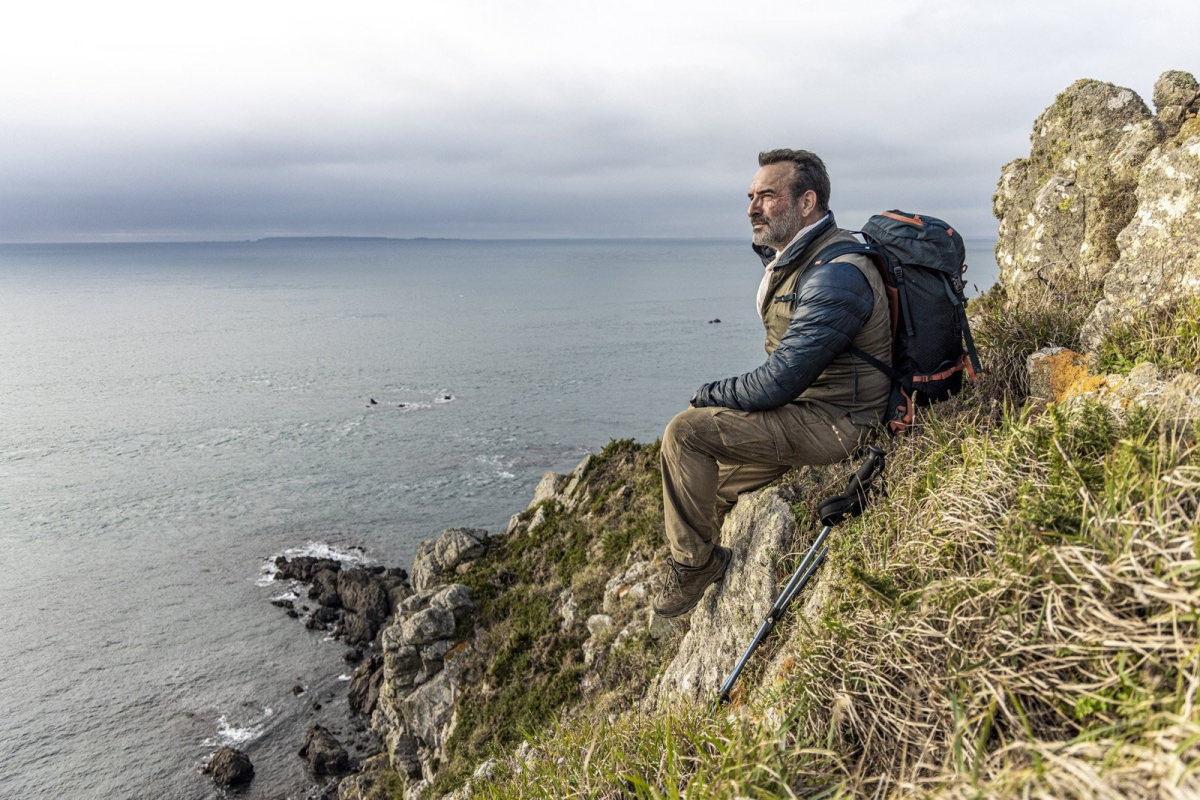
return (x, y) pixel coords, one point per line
(810, 402)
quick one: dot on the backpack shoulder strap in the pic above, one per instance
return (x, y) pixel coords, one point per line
(879, 258)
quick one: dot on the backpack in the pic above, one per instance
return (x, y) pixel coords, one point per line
(921, 261)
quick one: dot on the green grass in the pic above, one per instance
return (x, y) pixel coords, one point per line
(990, 631)
(1165, 336)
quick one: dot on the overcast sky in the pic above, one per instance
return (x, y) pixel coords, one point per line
(233, 120)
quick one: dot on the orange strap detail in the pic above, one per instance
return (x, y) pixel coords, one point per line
(913, 220)
(964, 362)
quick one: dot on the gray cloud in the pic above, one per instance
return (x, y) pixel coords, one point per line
(611, 129)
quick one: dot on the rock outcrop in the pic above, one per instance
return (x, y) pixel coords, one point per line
(420, 680)
(1109, 195)
(229, 767)
(760, 530)
(1058, 375)
(323, 752)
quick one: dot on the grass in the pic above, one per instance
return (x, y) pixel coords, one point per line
(1166, 336)
(1018, 617)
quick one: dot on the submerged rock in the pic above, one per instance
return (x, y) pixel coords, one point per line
(229, 767)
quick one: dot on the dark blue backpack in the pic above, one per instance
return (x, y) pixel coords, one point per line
(921, 260)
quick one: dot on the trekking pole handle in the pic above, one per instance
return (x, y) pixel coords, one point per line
(860, 482)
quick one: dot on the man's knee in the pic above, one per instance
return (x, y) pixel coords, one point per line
(684, 428)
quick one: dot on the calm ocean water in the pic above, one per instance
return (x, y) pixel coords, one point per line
(174, 415)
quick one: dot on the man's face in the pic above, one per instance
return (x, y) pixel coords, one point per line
(774, 214)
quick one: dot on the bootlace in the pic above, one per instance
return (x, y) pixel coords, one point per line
(673, 579)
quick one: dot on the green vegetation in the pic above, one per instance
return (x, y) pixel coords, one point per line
(1017, 618)
(1166, 336)
(529, 670)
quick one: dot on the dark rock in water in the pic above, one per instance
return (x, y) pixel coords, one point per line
(325, 588)
(316, 706)
(229, 767)
(401, 405)
(365, 684)
(714, 321)
(302, 568)
(324, 753)
(283, 603)
(293, 613)
(297, 689)
(372, 403)
(363, 593)
(356, 629)
(352, 656)
(325, 616)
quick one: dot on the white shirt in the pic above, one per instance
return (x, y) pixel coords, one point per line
(770, 268)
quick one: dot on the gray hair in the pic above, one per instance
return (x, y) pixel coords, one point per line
(808, 172)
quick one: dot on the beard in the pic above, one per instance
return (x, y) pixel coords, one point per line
(779, 229)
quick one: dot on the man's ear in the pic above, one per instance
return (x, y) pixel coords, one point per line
(808, 202)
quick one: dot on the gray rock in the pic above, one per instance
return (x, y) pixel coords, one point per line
(401, 660)
(1176, 96)
(1160, 248)
(356, 629)
(545, 488)
(324, 753)
(428, 626)
(229, 767)
(429, 710)
(414, 603)
(456, 599)
(1061, 208)
(539, 519)
(760, 531)
(363, 692)
(600, 625)
(433, 657)
(445, 553)
(568, 610)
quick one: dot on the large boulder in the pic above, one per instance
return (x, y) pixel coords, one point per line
(427, 626)
(229, 767)
(324, 753)
(443, 554)
(1061, 209)
(758, 530)
(1160, 248)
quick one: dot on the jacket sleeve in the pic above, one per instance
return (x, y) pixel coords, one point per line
(835, 302)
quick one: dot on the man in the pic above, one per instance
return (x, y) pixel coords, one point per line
(810, 402)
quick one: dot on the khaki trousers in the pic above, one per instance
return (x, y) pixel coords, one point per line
(711, 455)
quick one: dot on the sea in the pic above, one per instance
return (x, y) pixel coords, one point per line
(174, 416)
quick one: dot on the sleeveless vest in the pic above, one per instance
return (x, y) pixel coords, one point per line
(849, 385)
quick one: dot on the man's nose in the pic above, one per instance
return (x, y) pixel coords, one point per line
(755, 207)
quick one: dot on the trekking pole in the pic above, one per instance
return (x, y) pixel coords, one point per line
(832, 511)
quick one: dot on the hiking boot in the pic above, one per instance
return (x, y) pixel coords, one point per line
(684, 586)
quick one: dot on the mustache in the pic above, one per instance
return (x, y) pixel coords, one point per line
(758, 218)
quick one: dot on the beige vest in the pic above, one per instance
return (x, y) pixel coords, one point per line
(848, 384)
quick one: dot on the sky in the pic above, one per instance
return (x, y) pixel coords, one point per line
(131, 121)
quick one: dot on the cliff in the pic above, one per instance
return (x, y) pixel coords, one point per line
(1017, 616)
